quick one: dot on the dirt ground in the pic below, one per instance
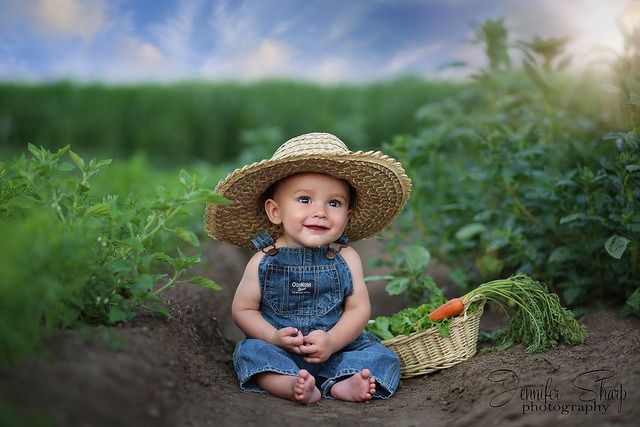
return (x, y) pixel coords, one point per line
(179, 373)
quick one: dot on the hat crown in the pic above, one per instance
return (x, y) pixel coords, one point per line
(310, 143)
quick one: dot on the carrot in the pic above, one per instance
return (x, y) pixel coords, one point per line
(451, 308)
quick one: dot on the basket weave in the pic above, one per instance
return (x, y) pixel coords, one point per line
(424, 352)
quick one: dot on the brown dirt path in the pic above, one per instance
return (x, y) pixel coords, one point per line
(179, 373)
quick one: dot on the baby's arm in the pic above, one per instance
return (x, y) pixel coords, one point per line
(245, 311)
(357, 310)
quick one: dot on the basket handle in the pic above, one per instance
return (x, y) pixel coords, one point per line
(476, 297)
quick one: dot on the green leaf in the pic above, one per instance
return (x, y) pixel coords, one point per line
(83, 187)
(184, 262)
(77, 159)
(573, 217)
(187, 236)
(443, 327)
(104, 162)
(35, 151)
(143, 284)
(134, 244)
(157, 308)
(116, 314)
(560, 255)
(162, 257)
(99, 210)
(120, 266)
(185, 179)
(470, 230)
(65, 167)
(377, 278)
(460, 277)
(417, 258)
(616, 245)
(70, 316)
(380, 327)
(213, 197)
(571, 294)
(397, 285)
(205, 283)
(633, 302)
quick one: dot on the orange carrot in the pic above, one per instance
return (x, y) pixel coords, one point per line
(450, 308)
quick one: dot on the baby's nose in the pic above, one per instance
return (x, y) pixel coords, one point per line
(321, 211)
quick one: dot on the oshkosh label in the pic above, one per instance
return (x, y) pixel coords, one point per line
(300, 288)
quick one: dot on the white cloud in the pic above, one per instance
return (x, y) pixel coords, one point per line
(267, 58)
(402, 61)
(70, 18)
(140, 52)
(330, 69)
(588, 24)
(234, 30)
(174, 36)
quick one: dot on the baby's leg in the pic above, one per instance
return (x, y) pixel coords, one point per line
(357, 388)
(301, 389)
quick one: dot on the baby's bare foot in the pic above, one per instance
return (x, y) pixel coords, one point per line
(305, 390)
(356, 388)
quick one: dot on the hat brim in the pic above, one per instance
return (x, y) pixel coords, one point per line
(380, 182)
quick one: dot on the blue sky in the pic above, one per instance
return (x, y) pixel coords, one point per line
(319, 40)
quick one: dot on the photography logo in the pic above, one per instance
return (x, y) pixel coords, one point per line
(592, 392)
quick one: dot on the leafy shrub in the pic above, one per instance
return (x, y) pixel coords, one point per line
(409, 278)
(68, 259)
(526, 172)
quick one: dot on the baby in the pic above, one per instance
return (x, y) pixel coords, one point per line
(302, 301)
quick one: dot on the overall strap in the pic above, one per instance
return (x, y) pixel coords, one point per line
(262, 240)
(342, 240)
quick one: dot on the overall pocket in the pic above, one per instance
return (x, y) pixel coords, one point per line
(301, 291)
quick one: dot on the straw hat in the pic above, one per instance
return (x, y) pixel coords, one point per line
(380, 182)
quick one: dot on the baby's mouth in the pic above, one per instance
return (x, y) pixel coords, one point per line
(316, 227)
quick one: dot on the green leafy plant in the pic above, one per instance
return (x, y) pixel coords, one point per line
(536, 317)
(69, 259)
(409, 320)
(409, 277)
(525, 171)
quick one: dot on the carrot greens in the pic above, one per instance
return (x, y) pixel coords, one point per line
(536, 317)
(537, 320)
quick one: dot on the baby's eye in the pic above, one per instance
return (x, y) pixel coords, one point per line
(304, 199)
(335, 203)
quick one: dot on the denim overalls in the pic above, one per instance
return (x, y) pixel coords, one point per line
(305, 288)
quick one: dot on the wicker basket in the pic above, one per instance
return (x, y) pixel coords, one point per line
(424, 352)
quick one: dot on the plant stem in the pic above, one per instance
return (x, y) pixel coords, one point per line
(511, 192)
(159, 226)
(169, 284)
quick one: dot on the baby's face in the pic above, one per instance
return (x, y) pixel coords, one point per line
(313, 209)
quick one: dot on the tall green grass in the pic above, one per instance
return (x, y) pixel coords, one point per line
(213, 122)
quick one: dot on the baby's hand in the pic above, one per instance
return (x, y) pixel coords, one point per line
(289, 338)
(317, 347)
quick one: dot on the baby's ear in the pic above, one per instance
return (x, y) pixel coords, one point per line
(272, 211)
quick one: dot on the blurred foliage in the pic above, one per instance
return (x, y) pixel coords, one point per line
(71, 257)
(531, 170)
(213, 122)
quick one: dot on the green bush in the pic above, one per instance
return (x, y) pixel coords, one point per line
(527, 172)
(69, 258)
